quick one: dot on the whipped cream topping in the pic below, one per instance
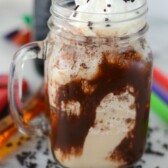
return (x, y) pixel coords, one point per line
(108, 17)
(107, 6)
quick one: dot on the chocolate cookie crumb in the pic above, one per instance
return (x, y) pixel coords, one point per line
(28, 138)
(165, 146)
(138, 166)
(50, 164)
(19, 143)
(46, 152)
(152, 152)
(22, 138)
(143, 161)
(39, 146)
(25, 159)
(9, 144)
(21, 159)
(32, 155)
(31, 165)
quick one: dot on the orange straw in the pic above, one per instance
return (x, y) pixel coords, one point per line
(34, 107)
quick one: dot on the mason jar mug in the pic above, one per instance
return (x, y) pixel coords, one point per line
(98, 68)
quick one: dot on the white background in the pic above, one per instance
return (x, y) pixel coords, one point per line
(158, 9)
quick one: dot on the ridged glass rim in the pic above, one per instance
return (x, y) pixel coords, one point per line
(57, 9)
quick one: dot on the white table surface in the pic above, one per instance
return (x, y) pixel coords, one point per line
(10, 14)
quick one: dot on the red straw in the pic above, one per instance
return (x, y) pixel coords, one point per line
(22, 38)
(160, 78)
(3, 99)
(4, 91)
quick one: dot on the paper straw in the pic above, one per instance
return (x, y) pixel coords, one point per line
(159, 107)
(11, 34)
(28, 20)
(3, 99)
(3, 81)
(22, 38)
(160, 78)
(160, 92)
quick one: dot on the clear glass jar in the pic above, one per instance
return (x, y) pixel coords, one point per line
(99, 90)
(98, 85)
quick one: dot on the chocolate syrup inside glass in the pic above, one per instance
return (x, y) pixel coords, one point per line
(128, 69)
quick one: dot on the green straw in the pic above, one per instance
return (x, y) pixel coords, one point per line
(28, 20)
(159, 107)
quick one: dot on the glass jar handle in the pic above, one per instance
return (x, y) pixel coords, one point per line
(28, 52)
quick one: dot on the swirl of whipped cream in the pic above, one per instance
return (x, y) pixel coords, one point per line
(108, 6)
(108, 17)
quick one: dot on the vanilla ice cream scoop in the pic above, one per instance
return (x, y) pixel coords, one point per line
(97, 17)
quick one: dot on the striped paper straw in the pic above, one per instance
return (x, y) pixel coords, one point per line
(160, 92)
(160, 78)
(159, 107)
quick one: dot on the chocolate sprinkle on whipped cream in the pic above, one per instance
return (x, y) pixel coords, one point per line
(102, 11)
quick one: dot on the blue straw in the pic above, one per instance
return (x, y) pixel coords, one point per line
(160, 92)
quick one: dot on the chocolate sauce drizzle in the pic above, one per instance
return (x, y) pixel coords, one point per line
(69, 130)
